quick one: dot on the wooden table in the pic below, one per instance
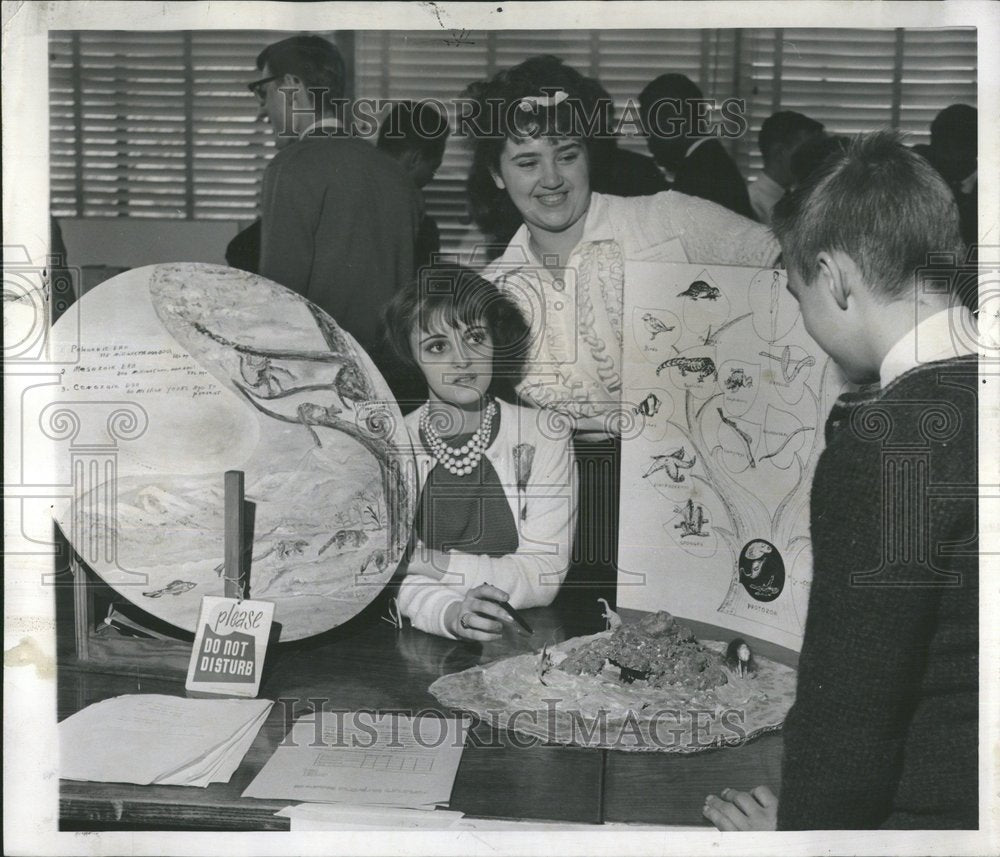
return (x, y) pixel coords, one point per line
(369, 664)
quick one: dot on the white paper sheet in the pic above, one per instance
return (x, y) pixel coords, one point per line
(166, 740)
(325, 816)
(365, 758)
(314, 817)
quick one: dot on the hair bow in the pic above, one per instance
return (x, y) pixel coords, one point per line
(533, 102)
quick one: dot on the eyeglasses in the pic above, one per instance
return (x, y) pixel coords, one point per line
(257, 85)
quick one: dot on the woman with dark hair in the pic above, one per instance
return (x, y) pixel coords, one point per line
(613, 170)
(497, 490)
(565, 266)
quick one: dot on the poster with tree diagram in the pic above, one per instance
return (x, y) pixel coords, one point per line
(726, 397)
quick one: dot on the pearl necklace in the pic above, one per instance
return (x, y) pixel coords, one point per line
(465, 459)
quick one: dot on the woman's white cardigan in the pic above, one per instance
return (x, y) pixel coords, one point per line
(542, 498)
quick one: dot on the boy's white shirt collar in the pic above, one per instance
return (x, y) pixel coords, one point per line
(696, 144)
(938, 337)
(768, 186)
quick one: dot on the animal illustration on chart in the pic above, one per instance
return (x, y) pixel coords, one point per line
(671, 463)
(350, 384)
(786, 441)
(346, 539)
(775, 296)
(261, 375)
(762, 570)
(286, 548)
(789, 371)
(648, 407)
(702, 366)
(281, 549)
(376, 558)
(743, 436)
(654, 325)
(175, 587)
(700, 290)
(274, 374)
(737, 380)
(692, 521)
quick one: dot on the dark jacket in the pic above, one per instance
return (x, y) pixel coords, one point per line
(339, 222)
(710, 173)
(884, 730)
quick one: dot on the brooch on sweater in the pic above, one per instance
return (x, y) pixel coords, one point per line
(524, 457)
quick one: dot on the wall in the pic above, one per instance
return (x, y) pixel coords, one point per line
(130, 243)
(98, 248)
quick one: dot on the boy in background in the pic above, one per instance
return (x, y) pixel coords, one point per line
(415, 134)
(884, 729)
(780, 135)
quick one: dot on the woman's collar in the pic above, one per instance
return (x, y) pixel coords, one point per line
(596, 227)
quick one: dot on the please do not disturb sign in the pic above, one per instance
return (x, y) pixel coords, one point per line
(229, 646)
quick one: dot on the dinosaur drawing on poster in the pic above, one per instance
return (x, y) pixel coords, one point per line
(270, 375)
(693, 519)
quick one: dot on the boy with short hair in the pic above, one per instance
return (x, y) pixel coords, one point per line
(339, 219)
(415, 134)
(780, 135)
(884, 730)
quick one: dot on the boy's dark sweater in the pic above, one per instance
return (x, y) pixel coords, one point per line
(884, 730)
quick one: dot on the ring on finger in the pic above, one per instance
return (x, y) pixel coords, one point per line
(464, 621)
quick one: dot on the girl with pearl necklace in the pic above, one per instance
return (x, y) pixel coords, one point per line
(497, 488)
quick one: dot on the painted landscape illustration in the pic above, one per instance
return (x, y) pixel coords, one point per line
(300, 409)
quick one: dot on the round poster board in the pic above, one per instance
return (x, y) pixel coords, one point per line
(189, 370)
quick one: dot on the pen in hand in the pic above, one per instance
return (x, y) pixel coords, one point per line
(517, 617)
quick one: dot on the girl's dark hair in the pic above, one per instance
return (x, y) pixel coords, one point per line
(457, 295)
(585, 113)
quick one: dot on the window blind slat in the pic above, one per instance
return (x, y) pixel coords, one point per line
(128, 133)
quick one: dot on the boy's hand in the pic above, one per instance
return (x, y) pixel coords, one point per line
(736, 810)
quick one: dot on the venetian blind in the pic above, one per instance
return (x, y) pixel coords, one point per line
(429, 64)
(851, 80)
(161, 125)
(156, 124)
(856, 80)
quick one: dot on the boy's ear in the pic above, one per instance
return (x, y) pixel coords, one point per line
(497, 180)
(291, 81)
(834, 275)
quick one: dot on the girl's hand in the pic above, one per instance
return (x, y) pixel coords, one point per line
(478, 616)
(736, 810)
